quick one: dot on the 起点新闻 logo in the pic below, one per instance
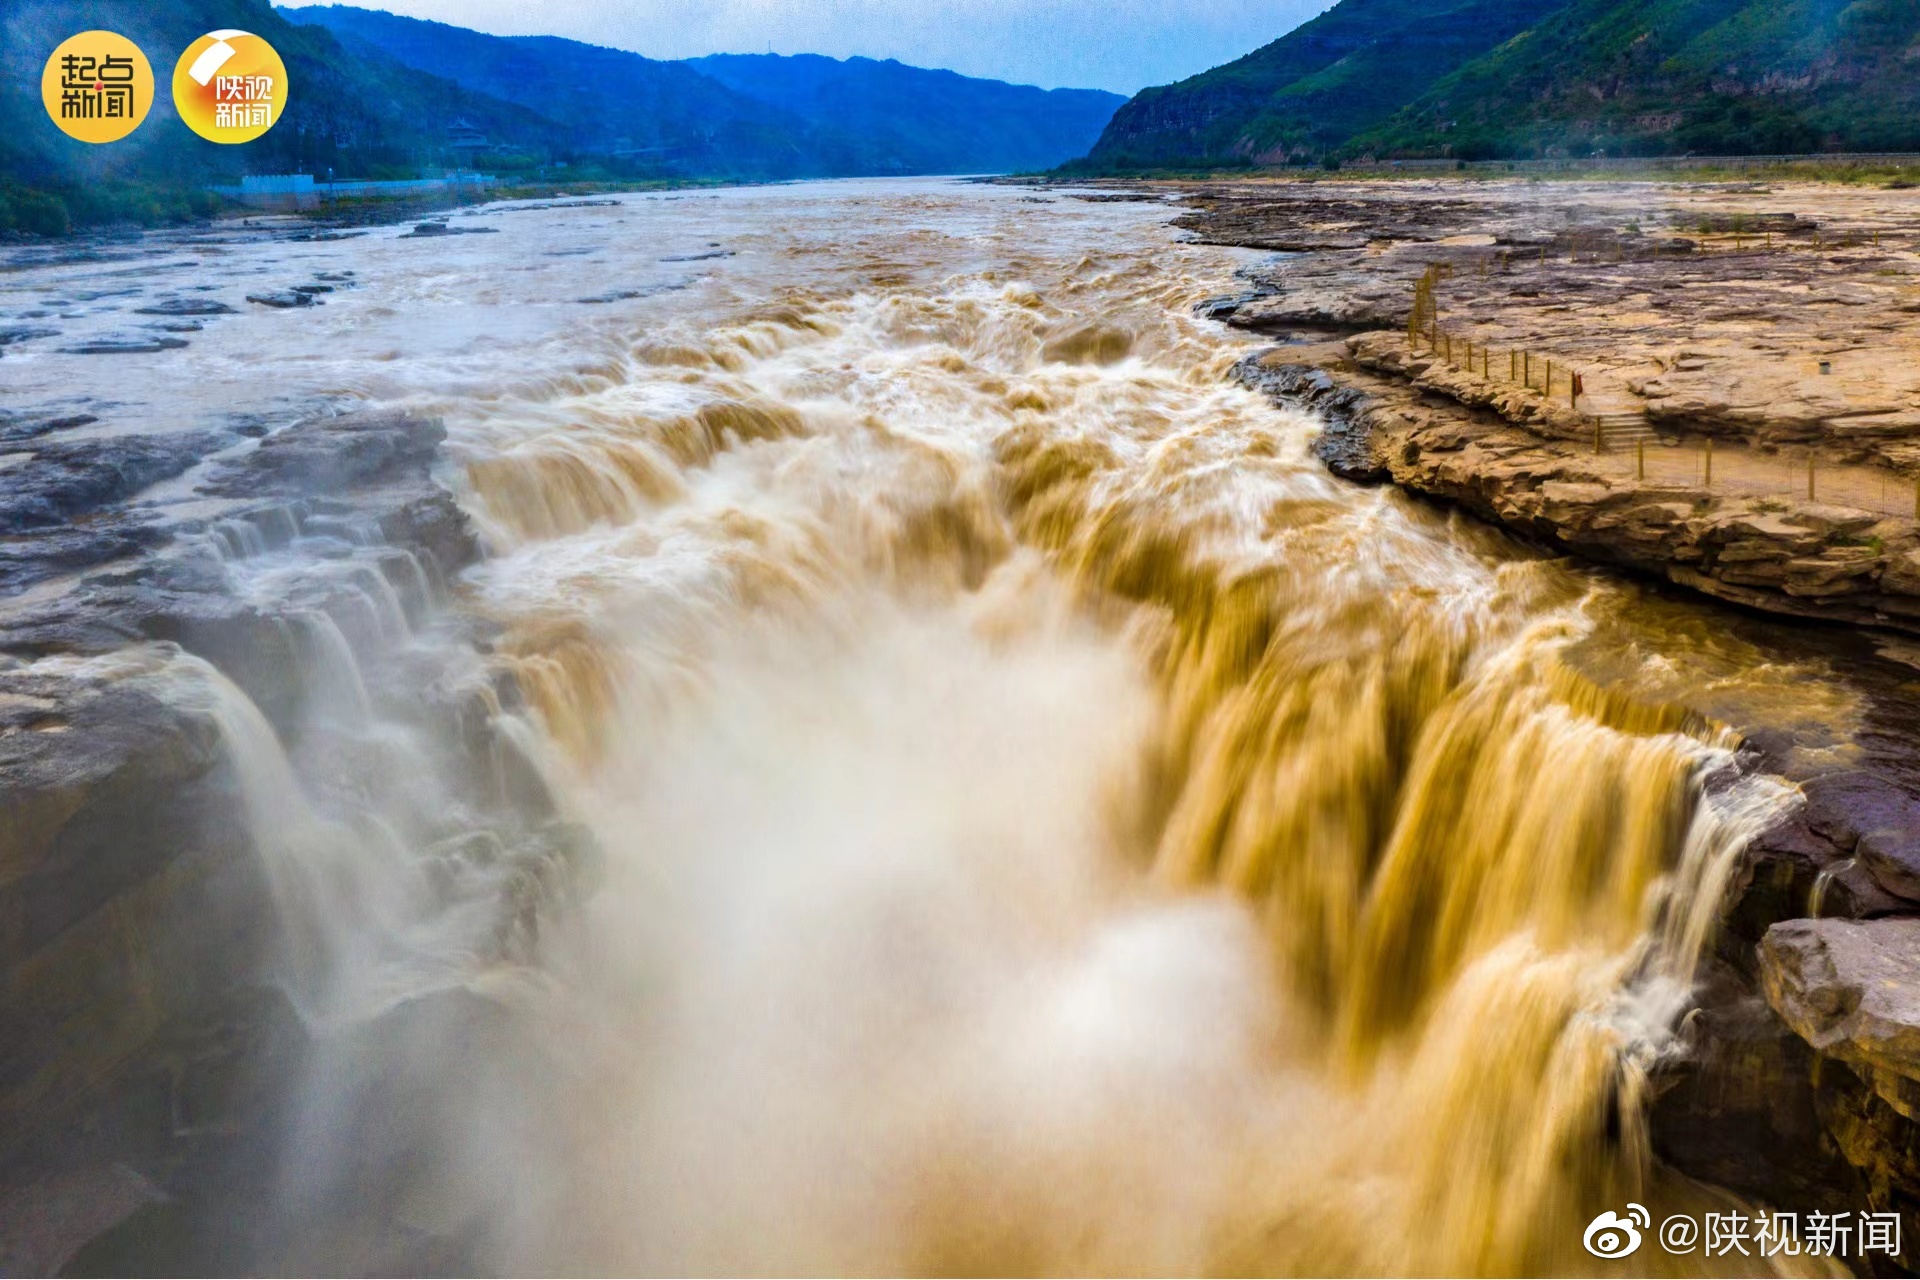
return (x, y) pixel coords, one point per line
(97, 86)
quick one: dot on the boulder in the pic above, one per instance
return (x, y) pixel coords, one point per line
(1851, 990)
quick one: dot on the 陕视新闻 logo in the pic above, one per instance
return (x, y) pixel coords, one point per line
(230, 86)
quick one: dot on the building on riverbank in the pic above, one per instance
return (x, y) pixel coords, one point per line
(301, 191)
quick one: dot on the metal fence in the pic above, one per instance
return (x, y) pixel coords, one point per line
(1783, 473)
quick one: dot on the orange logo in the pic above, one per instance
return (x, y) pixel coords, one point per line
(97, 86)
(230, 86)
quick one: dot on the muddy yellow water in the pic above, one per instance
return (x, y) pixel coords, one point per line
(1047, 822)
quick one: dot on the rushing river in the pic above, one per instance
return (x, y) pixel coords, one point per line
(1045, 821)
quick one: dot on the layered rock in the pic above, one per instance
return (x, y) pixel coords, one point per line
(1509, 456)
(1799, 1085)
(151, 1057)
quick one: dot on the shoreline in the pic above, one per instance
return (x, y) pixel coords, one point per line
(82, 906)
(1802, 1085)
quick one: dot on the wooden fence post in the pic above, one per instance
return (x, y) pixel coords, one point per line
(1709, 462)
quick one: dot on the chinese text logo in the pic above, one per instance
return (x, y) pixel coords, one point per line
(230, 86)
(97, 86)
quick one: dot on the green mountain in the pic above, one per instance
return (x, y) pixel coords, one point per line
(1311, 90)
(1491, 79)
(746, 115)
(1655, 77)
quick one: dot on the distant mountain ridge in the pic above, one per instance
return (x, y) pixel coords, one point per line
(378, 96)
(359, 115)
(911, 119)
(1488, 79)
(748, 115)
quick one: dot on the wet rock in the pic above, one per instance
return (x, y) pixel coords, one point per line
(1346, 442)
(435, 524)
(62, 481)
(1224, 306)
(19, 427)
(128, 346)
(40, 555)
(1735, 1110)
(124, 868)
(332, 454)
(427, 230)
(1851, 990)
(1846, 805)
(1891, 855)
(185, 307)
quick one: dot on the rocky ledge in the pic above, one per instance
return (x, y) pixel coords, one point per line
(1401, 415)
(1733, 351)
(152, 1057)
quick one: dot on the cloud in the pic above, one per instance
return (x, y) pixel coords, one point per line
(1122, 45)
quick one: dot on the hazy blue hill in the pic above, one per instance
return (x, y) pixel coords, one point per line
(745, 115)
(912, 120)
(608, 101)
(357, 115)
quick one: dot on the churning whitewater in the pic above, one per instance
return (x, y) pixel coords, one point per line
(1040, 821)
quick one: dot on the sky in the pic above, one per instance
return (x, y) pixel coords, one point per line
(1122, 45)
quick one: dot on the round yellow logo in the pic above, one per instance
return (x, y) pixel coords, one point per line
(230, 86)
(97, 86)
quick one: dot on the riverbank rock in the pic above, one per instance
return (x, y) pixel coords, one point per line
(133, 905)
(128, 889)
(1851, 990)
(1511, 459)
(55, 483)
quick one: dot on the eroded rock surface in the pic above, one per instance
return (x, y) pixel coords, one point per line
(153, 1061)
(1511, 459)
